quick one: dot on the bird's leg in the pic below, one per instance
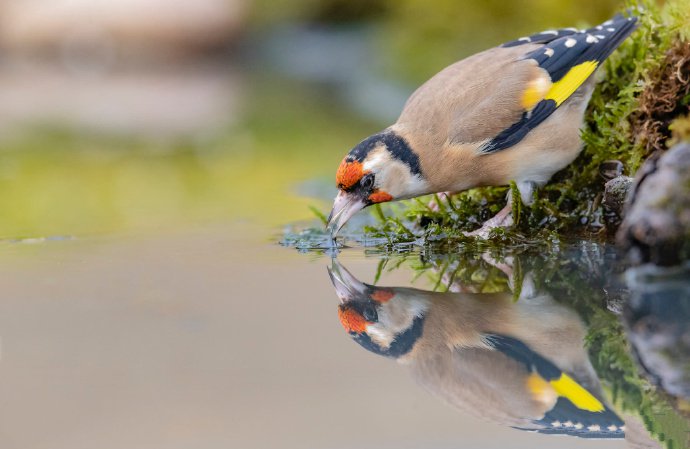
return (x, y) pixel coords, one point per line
(528, 289)
(504, 218)
(434, 205)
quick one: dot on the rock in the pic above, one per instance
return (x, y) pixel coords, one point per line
(657, 321)
(656, 227)
(611, 169)
(615, 193)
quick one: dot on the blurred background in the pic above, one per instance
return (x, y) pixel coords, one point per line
(143, 115)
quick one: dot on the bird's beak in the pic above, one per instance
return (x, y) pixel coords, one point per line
(347, 287)
(345, 206)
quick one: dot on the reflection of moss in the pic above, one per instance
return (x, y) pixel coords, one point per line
(582, 277)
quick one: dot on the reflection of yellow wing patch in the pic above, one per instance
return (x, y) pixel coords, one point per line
(566, 86)
(546, 392)
(565, 386)
(541, 390)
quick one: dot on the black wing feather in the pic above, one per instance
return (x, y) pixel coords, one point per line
(564, 417)
(557, 56)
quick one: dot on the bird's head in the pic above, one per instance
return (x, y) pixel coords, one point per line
(381, 168)
(385, 321)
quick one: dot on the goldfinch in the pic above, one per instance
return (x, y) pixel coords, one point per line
(510, 113)
(520, 364)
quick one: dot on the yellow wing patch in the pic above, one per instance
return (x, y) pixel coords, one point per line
(535, 92)
(566, 86)
(547, 391)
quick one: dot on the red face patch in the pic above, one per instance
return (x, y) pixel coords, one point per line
(351, 320)
(380, 197)
(349, 173)
(382, 295)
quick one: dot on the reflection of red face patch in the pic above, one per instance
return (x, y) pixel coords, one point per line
(382, 295)
(349, 173)
(380, 197)
(351, 320)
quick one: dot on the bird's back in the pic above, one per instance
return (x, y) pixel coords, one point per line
(487, 84)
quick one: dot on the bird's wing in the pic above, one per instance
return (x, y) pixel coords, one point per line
(576, 411)
(567, 59)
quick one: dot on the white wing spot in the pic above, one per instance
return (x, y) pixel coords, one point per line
(572, 29)
(608, 22)
(556, 424)
(525, 39)
(548, 52)
(599, 27)
(570, 43)
(578, 426)
(600, 36)
(594, 428)
(591, 39)
(554, 32)
(610, 29)
(568, 424)
(612, 428)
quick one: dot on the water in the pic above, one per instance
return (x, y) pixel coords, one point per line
(216, 336)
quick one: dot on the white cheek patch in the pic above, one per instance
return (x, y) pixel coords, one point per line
(416, 185)
(393, 176)
(380, 335)
(400, 182)
(376, 158)
(394, 318)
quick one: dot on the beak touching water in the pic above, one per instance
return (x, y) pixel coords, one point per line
(344, 207)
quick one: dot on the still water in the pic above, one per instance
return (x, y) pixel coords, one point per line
(218, 337)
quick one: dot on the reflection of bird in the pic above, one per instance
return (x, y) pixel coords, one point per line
(511, 113)
(521, 363)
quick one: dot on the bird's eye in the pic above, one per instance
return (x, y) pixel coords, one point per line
(369, 313)
(367, 181)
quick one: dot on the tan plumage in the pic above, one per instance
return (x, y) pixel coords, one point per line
(510, 113)
(449, 117)
(456, 353)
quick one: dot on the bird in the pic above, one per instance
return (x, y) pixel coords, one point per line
(510, 113)
(520, 364)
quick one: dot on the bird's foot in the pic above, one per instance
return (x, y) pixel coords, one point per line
(434, 205)
(503, 219)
